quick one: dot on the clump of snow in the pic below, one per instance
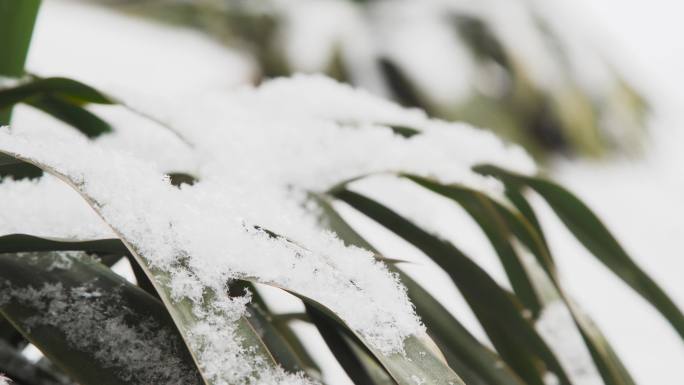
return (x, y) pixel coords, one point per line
(259, 152)
(4, 380)
(557, 327)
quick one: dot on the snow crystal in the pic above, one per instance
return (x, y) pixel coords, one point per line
(557, 327)
(260, 152)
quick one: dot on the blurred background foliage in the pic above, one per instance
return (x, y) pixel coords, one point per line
(518, 67)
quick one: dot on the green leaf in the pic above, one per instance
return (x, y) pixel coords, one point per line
(359, 363)
(72, 114)
(607, 362)
(594, 235)
(16, 169)
(277, 337)
(62, 88)
(475, 363)
(21, 370)
(421, 360)
(403, 90)
(524, 207)
(16, 27)
(18, 243)
(84, 317)
(482, 210)
(605, 359)
(499, 313)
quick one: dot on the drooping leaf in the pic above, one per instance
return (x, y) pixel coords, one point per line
(483, 211)
(594, 235)
(499, 313)
(356, 360)
(475, 363)
(606, 360)
(420, 361)
(277, 337)
(63, 88)
(72, 114)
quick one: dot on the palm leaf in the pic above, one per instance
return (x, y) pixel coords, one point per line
(499, 312)
(594, 235)
(467, 356)
(609, 365)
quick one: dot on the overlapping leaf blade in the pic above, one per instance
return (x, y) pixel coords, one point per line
(499, 313)
(483, 211)
(72, 114)
(594, 235)
(420, 361)
(607, 362)
(475, 363)
(64, 88)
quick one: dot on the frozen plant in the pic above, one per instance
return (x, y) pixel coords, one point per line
(241, 200)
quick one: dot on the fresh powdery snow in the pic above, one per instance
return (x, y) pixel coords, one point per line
(258, 153)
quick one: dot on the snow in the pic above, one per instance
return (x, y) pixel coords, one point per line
(4, 380)
(258, 153)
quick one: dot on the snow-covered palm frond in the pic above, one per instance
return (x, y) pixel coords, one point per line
(272, 177)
